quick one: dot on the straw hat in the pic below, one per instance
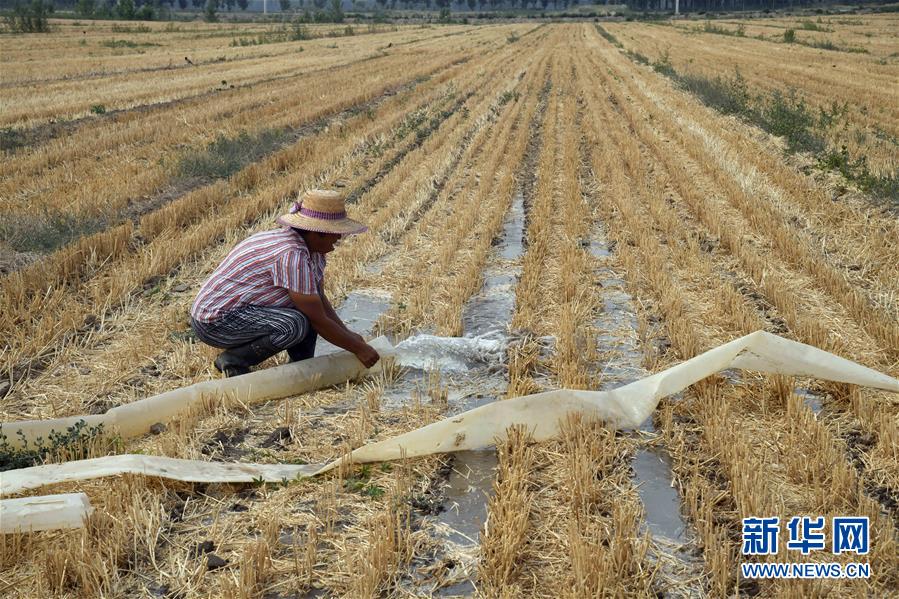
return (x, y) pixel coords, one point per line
(323, 211)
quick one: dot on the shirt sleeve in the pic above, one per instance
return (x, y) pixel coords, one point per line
(293, 270)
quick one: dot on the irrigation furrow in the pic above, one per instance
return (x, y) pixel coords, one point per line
(470, 261)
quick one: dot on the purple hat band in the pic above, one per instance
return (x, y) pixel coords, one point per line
(297, 208)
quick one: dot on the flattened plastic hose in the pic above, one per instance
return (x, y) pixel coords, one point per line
(136, 418)
(625, 407)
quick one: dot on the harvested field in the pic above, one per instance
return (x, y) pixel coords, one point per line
(540, 188)
(844, 73)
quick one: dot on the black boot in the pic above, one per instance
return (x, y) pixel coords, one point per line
(237, 361)
(304, 349)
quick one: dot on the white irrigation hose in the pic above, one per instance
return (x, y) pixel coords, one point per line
(625, 407)
(47, 512)
(136, 418)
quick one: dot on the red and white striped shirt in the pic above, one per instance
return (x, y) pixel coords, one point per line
(260, 271)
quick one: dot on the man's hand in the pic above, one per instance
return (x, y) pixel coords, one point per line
(367, 355)
(331, 328)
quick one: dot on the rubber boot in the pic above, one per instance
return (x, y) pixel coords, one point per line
(237, 360)
(305, 349)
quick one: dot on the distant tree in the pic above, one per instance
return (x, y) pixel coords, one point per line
(182, 4)
(125, 9)
(243, 4)
(30, 18)
(285, 5)
(336, 11)
(86, 8)
(198, 3)
(209, 11)
(146, 13)
(544, 3)
(472, 4)
(482, 4)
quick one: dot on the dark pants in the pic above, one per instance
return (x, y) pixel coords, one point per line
(286, 328)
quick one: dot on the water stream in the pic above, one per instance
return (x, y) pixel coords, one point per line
(621, 356)
(473, 369)
(812, 400)
(485, 320)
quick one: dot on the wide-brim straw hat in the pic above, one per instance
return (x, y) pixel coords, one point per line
(323, 211)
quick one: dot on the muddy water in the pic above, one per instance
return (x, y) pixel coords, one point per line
(621, 357)
(812, 400)
(485, 320)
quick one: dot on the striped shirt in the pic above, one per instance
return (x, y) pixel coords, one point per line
(260, 271)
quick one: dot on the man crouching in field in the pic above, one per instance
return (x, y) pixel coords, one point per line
(268, 294)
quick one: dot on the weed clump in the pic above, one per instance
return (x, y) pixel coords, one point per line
(663, 66)
(812, 26)
(11, 139)
(224, 156)
(507, 97)
(786, 115)
(709, 27)
(114, 43)
(789, 117)
(73, 444)
(43, 230)
(729, 96)
(608, 36)
(858, 172)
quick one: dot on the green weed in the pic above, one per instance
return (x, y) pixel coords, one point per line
(226, 155)
(73, 444)
(44, 230)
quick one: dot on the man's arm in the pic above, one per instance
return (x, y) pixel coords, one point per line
(332, 314)
(332, 328)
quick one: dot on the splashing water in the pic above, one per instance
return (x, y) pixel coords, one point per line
(458, 354)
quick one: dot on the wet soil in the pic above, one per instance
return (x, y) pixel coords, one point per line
(468, 486)
(621, 355)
